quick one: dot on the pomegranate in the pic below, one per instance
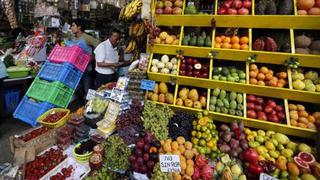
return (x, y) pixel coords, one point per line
(306, 157)
(301, 163)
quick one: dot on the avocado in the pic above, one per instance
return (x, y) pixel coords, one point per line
(204, 35)
(185, 41)
(200, 41)
(216, 71)
(225, 71)
(208, 42)
(193, 41)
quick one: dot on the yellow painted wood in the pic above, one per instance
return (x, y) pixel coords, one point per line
(242, 21)
(253, 7)
(305, 60)
(275, 92)
(213, 42)
(250, 38)
(184, 6)
(293, 49)
(211, 68)
(150, 63)
(247, 73)
(295, 7)
(290, 78)
(286, 108)
(208, 99)
(216, 7)
(245, 104)
(181, 35)
(175, 94)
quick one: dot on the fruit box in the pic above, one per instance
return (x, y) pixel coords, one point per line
(26, 151)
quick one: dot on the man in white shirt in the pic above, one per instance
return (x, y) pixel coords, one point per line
(107, 59)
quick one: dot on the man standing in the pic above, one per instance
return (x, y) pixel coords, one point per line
(107, 59)
(86, 42)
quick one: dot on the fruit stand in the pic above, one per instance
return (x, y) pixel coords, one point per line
(284, 61)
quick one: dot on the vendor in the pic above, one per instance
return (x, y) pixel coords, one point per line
(86, 42)
(108, 59)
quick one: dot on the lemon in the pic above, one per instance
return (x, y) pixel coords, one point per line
(194, 133)
(202, 150)
(269, 145)
(199, 134)
(247, 131)
(195, 141)
(202, 142)
(203, 128)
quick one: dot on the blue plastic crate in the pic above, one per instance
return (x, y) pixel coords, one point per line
(29, 110)
(12, 97)
(65, 73)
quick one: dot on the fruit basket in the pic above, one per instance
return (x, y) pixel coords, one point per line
(17, 72)
(82, 157)
(54, 118)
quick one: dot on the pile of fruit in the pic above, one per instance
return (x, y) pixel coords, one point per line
(232, 74)
(98, 105)
(202, 169)
(308, 7)
(308, 81)
(34, 133)
(181, 125)
(225, 102)
(165, 65)
(161, 94)
(233, 7)
(157, 174)
(265, 44)
(205, 136)
(232, 42)
(145, 154)
(166, 38)
(265, 77)
(44, 163)
(306, 45)
(191, 98)
(201, 40)
(232, 140)
(265, 109)
(301, 118)
(54, 116)
(63, 174)
(169, 7)
(273, 7)
(194, 68)
(186, 152)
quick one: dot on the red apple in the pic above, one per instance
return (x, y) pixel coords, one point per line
(250, 106)
(252, 114)
(273, 118)
(251, 98)
(183, 67)
(279, 108)
(227, 4)
(259, 101)
(262, 116)
(271, 103)
(237, 4)
(231, 11)
(258, 108)
(189, 61)
(281, 116)
(268, 109)
(243, 11)
(246, 4)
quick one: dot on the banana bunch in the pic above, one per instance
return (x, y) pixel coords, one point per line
(132, 45)
(131, 10)
(137, 29)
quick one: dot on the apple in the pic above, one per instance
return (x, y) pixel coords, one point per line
(259, 101)
(189, 61)
(178, 3)
(237, 4)
(279, 108)
(222, 11)
(159, 11)
(246, 4)
(251, 114)
(195, 61)
(183, 67)
(251, 98)
(273, 118)
(189, 68)
(190, 73)
(258, 108)
(243, 11)
(250, 106)
(159, 5)
(168, 10)
(168, 4)
(268, 109)
(281, 116)
(262, 116)
(271, 103)
(177, 11)
(231, 11)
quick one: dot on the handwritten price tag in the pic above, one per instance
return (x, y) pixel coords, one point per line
(147, 85)
(264, 176)
(170, 163)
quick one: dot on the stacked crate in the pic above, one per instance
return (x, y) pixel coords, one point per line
(55, 84)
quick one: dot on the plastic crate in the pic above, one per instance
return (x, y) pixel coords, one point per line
(57, 124)
(65, 73)
(73, 55)
(12, 97)
(29, 110)
(53, 92)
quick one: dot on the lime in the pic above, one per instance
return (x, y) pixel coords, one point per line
(203, 128)
(195, 141)
(213, 155)
(202, 142)
(208, 150)
(202, 150)
(208, 131)
(194, 133)
(199, 134)
(198, 127)
(204, 136)
(205, 112)
(194, 123)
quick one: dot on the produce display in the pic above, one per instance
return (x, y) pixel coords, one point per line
(232, 42)
(98, 105)
(158, 175)
(186, 152)
(192, 98)
(145, 155)
(161, 94)
(116, 153)
(205, 136)
(232, 139)
(34, 133)
(169, 7)
(165, 65)
(200, 7)
(54, 116)
(265, 109)
(85, 147)
(194, 68)
(300, 117)
(308, 7)
(225, 102)
(131, 10)
(195, 37)
(274, 41)
(156, 119)
(44, 163)
(274, 7)
(166, 37)
(63, 174)
(228, 73)
(264, 76)
(305, 80)
(234, 7)
(181, 125)
(305, 44)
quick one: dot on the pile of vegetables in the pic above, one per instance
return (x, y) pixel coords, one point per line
(116, 153)
(129, 123)
(156, 119)
(181, 125)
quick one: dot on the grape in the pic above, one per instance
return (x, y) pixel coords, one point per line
(181, 125)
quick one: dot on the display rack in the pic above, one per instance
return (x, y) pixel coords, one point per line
(289, 22)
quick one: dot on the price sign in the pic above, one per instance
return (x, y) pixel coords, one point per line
(90, 95)
(170, 163)
(147, 84)
(264, 176)
(140, 176)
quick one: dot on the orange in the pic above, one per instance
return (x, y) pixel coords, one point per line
(222, 37)
(235, 46)
(264, 70)
(275, 79)
(235, 40)
(244, 47)
(244, 40)
(279, 84)
(269, 76)
(253, 74)
(217, 45)
(227, 40)
(261, 76)
(218, 39)
(226, 46)
(282, 81)
(282, 75)
(253, 81)
(270, 71)
(261, 83)
(273, 83)
(253, 67)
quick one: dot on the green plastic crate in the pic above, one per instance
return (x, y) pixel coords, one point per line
(53, 92)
